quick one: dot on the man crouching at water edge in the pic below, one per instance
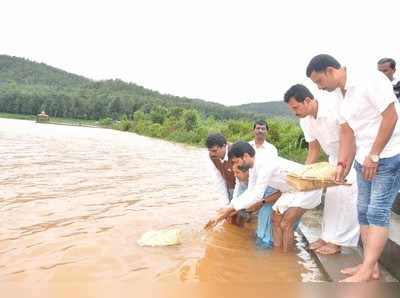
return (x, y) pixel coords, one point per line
(264, 207)
(221, 167)
(222, 172)
(270, 171)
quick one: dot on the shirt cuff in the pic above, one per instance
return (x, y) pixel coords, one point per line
(237, 205)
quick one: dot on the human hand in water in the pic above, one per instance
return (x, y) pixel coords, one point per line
(222, 214)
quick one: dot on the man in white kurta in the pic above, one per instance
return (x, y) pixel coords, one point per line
(319, 121)
(261, 146)
(269, 171)
(260, 130)
(273, 172)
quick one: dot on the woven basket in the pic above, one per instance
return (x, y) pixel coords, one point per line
(305, 184)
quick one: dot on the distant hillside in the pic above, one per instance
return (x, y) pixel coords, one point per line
(272, 108)
(23, 71)
(28, 87)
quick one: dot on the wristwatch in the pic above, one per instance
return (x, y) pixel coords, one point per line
(374, 157)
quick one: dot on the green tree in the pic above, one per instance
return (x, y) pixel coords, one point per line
(158, 114)
(190, 119)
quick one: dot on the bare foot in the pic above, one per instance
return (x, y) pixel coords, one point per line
(362, 275)
(350, 270)
(316, 244)
(328, 249)
(277, 244)
(376, 274)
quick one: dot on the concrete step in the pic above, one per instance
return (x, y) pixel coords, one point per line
(391, 254)
(332, 264)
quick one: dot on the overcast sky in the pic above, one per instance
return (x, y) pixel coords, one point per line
(230, 52)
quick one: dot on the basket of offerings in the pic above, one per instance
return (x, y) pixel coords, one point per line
(314, 176)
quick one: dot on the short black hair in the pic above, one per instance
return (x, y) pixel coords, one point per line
(388, 60)
(215, 139)
(260, 122)
(239, 148)
(298, 92)
(320, 63)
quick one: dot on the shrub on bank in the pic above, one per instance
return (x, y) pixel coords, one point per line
(106, 122)
(189, 126)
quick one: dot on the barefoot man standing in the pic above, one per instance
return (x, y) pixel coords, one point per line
(370, 132)
(319, 121)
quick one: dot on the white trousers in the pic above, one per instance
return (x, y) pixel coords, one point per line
(339, 220)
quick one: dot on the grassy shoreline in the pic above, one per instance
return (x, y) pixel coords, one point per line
(53, 120)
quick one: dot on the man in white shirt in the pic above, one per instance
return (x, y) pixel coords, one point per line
(260, 130)
(269, 171)
(370, 132)
(319, 121)
(223, 174)
(388, 67)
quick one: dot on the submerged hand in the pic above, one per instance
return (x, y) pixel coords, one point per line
(211, 223)
(222, 214)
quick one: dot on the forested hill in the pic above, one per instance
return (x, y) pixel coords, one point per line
(22, 71)
(28, 87)
(272, 108)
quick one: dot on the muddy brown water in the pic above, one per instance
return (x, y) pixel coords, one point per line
(74, 201)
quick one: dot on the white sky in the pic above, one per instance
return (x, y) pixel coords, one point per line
(230, 52)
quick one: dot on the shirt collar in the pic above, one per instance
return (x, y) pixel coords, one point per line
(323, 110)
(350, 79)
(253, 144)
(226, 153)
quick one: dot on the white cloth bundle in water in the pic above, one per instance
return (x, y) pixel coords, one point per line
(160, 238)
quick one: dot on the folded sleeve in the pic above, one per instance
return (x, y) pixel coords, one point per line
(380, 92)
(305, 127)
